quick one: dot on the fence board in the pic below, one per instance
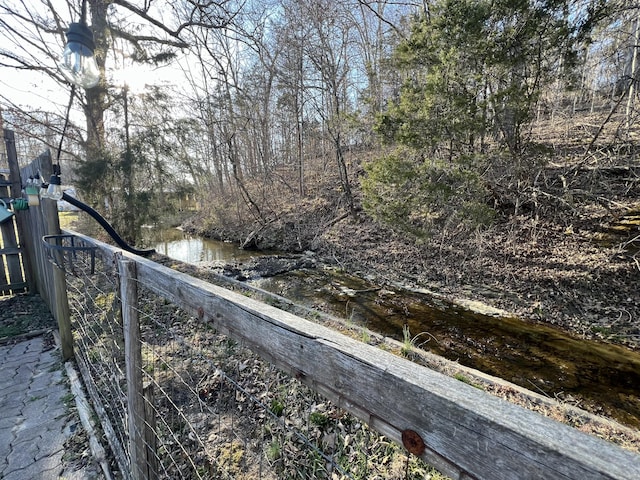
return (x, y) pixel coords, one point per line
(15, 281)
(467, 432)
(5, 282)
(10, 231)
(38, 222)
(49, 280)
(4, 279)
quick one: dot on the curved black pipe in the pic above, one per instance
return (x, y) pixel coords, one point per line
(108, 228)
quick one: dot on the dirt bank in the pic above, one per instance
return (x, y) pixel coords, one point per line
(539, 271)
(569, 272)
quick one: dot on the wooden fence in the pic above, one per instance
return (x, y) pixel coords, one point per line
(461, 430)
(12, 275)
(13, 278)
(23, 257)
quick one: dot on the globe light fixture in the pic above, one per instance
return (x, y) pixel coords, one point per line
(54, 190)
(78, 63)
(43, 189)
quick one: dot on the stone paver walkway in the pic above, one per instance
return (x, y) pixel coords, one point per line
(35, 422)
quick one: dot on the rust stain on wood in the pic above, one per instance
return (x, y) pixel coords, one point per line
(413, 442)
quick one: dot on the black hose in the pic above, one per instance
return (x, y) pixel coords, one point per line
(108, 228)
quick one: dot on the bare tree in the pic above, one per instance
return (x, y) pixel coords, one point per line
(34, 33)
(144, 32)
(328, 50)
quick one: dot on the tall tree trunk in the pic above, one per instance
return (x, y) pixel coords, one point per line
(97, 96)
(634, 79)
(299, 136)
(128, 216)
(337, 139)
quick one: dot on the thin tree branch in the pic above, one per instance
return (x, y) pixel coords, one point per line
(198, 8)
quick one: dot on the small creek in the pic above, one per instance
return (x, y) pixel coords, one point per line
(537, 357)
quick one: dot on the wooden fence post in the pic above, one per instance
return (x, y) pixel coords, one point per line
(133, 361)
(150, 437)
(59, 303)
(61, 313)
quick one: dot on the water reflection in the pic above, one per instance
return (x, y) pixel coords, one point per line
(185, 248)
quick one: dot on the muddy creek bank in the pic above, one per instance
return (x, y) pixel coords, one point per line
(599, 377)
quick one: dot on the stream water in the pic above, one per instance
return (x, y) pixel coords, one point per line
(537, 357)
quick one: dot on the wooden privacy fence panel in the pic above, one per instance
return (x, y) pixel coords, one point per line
(37, 222)
(12, 278)
(23, 258)
(31, 225)
(462, 431)
(12, 275)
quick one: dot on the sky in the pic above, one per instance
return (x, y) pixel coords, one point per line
(23, 87)
(31, 90)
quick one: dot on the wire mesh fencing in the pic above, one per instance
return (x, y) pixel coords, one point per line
(94, 303)
(212, 407)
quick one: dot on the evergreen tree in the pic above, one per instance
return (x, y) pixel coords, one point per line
(473, 73)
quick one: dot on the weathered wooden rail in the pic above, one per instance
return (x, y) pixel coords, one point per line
(462, 431)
